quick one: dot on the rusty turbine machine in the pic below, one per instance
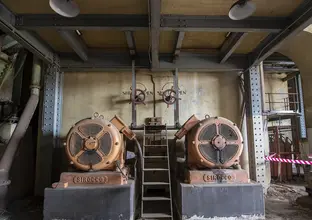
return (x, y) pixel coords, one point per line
(97, 148)
(213, 148)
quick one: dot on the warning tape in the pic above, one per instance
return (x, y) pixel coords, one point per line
(282, 160)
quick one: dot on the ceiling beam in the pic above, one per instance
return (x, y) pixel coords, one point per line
(101, 61)
(301, 18)
(75, 42)
(131, 43)
(230, 45)
(140, 22)
(27, 39)
(179, 41)
(154, 11)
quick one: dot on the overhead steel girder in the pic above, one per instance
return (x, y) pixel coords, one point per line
(131, 43)
(154, 10)
(100, 61)
(75, 42)
(29, 40)
(300, 19)
(230, 45)
(179, 41)
(139, 22)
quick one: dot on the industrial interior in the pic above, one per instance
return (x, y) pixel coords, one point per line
(156, 109)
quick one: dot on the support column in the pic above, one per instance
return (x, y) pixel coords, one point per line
(256, 142)
(49, 126)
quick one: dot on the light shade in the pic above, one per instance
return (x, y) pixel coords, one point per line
(66, 8)
(241, 10)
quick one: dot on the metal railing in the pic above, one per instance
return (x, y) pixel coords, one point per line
(282, 102)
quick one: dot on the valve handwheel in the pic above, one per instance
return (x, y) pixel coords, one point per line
(169, 96)
(139, 96)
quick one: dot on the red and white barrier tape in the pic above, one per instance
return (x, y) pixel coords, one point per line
(283, 160)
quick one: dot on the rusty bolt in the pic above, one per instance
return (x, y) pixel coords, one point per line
(116, 143)
(193, 142)
(71, 162)
(109, 125)
(201, 160)
(64, 144)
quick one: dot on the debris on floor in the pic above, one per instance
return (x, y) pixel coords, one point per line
(288, 202)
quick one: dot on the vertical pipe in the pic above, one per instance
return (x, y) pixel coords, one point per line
(133, 94)
(244, 159)
(176, 104)
(21, 128)
(262, 86)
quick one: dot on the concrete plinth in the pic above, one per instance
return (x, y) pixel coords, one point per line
(96, 203)
(219, 200)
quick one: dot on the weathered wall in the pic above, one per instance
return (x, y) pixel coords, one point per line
(206, 93)
(299, 50)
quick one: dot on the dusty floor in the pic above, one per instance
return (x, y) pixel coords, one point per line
(288, 202)
(283, 202)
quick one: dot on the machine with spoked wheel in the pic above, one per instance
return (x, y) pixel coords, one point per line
(211, 175)
(96, 150)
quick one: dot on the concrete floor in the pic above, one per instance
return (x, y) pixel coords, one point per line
(283, 202)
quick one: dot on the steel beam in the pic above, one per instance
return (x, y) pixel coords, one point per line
(180, 37)
(29, 40)
(83, 21)
(139, 22)
(49, 127)
(255, 125)
(131, 43)
(154, 11)
(300, 19)
(230, 45)
(101, 61)
(75, 42)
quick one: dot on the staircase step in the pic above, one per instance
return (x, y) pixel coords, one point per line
(155, 157)
(156, 145)
(156, 215)
(155, 183)
(155, 169)
(155, 198)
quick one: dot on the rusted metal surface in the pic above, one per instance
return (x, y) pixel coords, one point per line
(284, 148)
(214, 143)
(74, 179)
(188, 125)
(122, 127)
(216, 176)
(95, 144)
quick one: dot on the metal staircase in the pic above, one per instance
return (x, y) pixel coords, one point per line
(156, 190)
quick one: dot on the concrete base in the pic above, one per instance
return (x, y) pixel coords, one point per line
(219, 200)
(96, 203)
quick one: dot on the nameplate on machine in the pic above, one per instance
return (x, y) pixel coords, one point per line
(218, 178)
(90, 179)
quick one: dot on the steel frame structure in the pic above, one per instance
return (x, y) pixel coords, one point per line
(280, 29)
(252, 82)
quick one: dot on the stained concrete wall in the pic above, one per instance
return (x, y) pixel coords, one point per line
(206, 93)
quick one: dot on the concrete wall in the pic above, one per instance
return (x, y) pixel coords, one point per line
(299, 50)
(206, 93)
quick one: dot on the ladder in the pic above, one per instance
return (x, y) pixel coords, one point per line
(156, 165)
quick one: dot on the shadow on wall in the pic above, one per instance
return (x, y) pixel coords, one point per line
(299, 49)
